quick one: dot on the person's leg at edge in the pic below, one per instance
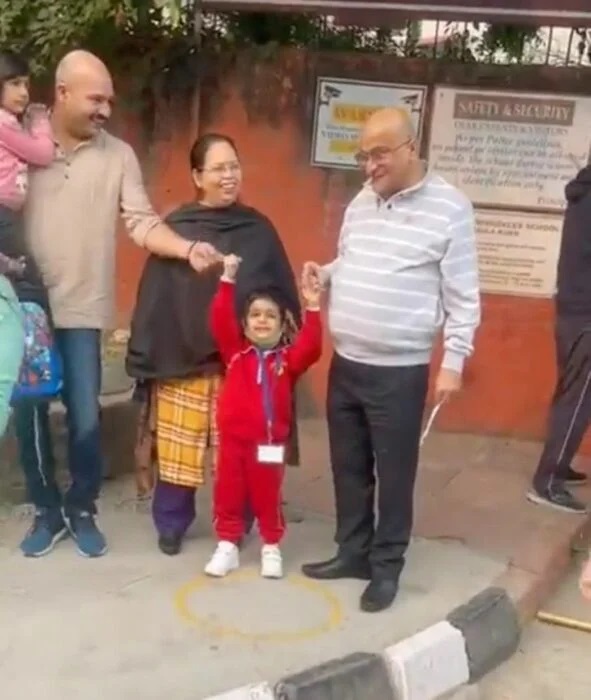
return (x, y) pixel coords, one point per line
(31, 422)
(352, 462)
(229, 499)
(565, 335)
(80, 349)
(32, 431)
(395, 402)
(11, 347)
(32, 428)
(6, 387)
(568, 420)
(264, 491)
(173, 511)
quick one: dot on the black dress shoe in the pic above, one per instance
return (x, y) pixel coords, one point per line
(338, 568)
(170, 544)
(379, 595)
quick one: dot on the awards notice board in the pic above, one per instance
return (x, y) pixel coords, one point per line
(343, 106)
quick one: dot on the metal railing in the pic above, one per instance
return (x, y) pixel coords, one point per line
(464, 42)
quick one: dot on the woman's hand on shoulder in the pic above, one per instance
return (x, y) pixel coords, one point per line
(36, 110)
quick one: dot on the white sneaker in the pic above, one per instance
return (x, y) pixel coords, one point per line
(271, 562)
(224, 560)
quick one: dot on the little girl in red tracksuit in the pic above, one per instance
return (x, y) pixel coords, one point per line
(254, 415)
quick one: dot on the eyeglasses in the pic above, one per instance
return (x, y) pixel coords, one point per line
(378, 155)
(223, 168)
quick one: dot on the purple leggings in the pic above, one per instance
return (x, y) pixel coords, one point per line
(173, 509)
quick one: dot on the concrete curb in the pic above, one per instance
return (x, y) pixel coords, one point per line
(439, 661)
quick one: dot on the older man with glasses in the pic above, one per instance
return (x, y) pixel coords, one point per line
(406, 267)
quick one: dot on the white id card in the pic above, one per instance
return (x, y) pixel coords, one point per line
(271, 454)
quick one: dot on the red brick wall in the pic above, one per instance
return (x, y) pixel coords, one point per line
(267, 108)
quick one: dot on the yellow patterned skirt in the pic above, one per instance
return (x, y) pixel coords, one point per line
(185, 427)
(176, 428)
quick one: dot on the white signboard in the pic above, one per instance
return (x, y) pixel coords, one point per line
(511, 149)
(342, 107)
(518, 252)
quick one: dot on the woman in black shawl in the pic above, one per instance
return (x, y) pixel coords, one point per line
(171, 352)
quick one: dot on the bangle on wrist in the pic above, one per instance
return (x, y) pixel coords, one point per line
(190, 249)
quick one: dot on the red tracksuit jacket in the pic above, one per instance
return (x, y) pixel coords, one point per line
(241, 412)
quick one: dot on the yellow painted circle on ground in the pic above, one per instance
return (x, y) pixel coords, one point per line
(334, 616)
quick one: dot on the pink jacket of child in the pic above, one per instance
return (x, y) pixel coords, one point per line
(20, 148)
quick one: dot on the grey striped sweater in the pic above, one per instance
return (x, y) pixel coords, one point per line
(405, 268)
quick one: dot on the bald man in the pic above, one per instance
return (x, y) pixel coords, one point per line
(71, 220)
(406, 267)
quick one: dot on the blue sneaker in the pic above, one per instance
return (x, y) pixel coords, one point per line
(47, 530)
(90, 541)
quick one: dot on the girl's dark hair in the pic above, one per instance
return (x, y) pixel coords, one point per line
(201, 148)
(12, 66)
(269, 295)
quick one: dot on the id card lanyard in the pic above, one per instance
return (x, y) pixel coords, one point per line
(267, 397)
(273, 455)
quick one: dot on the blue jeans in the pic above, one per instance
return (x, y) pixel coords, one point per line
(80, 349)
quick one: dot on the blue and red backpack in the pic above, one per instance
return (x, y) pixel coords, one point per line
(41, 373)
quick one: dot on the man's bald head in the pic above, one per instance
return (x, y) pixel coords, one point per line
(393, 121)
(83, 94)
(388, 151)
(78, 64)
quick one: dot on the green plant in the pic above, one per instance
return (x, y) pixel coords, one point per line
(509, 39)
(151, 30)
(45, 29)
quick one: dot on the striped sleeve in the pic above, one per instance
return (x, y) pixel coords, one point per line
(460, 289)
(327, 270)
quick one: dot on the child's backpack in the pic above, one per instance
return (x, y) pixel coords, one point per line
(41, 375)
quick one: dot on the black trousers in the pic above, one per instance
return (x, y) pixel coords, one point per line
(570, 411)
(374, 421)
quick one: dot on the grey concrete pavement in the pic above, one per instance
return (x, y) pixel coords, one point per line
(553, 663)
(137, 624)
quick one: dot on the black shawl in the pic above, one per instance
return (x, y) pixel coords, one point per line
(170, 336)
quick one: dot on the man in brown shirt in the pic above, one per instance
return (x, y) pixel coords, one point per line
(71, 221)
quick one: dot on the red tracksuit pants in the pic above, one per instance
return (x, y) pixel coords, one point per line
(241, 479)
